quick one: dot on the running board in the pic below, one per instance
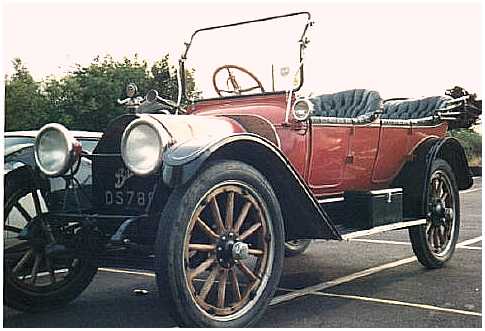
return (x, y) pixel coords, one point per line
(382, 228)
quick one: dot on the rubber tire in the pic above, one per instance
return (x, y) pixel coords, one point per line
(169, 244)
(292, 250)
(22, 300)
(417, 234)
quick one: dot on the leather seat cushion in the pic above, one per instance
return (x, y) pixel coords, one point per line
(347, 104)
(413, 109)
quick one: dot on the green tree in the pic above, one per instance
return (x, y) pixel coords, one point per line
(25, 105)
(86, 98)
(472, 144)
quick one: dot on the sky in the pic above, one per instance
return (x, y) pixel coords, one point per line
(399, 49)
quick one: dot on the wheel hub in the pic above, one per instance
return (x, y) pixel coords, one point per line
(229, 250)
(439, 212)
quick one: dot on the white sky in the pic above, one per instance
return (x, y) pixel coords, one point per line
(408, 49)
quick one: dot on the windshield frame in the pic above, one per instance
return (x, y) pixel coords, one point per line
(303, 44)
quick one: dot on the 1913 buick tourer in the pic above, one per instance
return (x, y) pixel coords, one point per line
(208, 194)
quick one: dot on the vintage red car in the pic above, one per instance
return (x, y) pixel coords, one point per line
(207, 195)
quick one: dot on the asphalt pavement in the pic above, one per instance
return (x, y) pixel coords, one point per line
(373, 281)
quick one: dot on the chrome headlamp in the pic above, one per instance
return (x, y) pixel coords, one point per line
(142, 146)
(56, 150)
(302, 109)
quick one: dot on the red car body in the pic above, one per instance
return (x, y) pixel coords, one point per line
(330, 158)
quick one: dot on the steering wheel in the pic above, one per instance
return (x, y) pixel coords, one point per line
(234, 87)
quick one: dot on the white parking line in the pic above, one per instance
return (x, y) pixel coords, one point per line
(345, 279)
(341, 280)
(130, 272)
(404, 243)
(400, 303)
(469, 242)
(472, 248)
(314, 290)
(471, 190)
(378, 241)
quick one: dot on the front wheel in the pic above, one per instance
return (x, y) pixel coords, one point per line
(434, 242)
(220, 247)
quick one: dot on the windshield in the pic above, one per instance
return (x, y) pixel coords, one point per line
(254, 58)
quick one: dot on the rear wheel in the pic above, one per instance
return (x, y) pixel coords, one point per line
(296, 247)
(220, 247)
(434, 242)
(33, 280)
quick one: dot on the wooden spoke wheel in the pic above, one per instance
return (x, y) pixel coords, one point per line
(441, 215)
(434, 242)
(33, 279)
(221, 252)
(226, 249)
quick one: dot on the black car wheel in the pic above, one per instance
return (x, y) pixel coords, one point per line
(32, 280)
(296, 247)
(220, 247)
(434, 242)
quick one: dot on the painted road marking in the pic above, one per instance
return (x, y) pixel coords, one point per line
(130, 272)
(338, 281)
(469, 242)
(404, 243)
(472, 248)
(378, 241)
(399, 303)
(351, 277)
(328, 284)
(471, 190)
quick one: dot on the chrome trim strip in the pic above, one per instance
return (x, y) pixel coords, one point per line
(383, 228)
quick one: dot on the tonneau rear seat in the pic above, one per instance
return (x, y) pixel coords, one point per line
(414, 108)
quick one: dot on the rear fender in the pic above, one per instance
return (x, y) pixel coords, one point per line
(450, 150)
(304, 219)
(417, 172)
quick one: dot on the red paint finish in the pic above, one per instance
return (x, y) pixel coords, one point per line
(363, 147)
(332, 158)
(327, 161)
(294, 138)
(396, 146)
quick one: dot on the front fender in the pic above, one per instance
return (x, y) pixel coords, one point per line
(303, 216)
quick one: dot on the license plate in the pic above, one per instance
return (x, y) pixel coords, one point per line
(127, 198)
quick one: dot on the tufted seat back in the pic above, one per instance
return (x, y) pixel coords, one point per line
(347, 104)
(413, 109)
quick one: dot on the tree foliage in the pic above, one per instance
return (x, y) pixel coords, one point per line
(84, 99)
(471, 142)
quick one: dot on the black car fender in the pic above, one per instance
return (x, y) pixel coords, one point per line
(304, 218)
(416, 173)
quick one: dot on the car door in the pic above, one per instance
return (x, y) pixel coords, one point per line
(328, 152)
(362, 153)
